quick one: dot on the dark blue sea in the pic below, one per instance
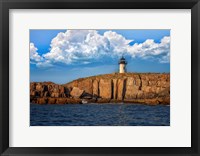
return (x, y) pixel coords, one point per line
(99, 115)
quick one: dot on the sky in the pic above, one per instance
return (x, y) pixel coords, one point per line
(61, 56)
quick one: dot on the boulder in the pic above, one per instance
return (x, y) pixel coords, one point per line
(76, 92)
(40, 87)
(86, 85)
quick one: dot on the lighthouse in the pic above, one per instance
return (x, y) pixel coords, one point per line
(122, 65)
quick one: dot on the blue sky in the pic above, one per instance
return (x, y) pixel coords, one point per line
(61, 56)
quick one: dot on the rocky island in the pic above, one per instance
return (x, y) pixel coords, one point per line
(143, 88)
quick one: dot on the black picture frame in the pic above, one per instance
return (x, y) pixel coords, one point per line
(5, 5)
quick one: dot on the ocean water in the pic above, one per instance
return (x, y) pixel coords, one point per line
(99, 115)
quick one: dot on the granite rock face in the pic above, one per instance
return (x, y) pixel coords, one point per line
(147, 88)
(105, 88)
(47, 89)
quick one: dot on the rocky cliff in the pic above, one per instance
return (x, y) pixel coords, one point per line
(147, 88)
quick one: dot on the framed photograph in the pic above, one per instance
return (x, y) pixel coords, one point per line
(99, 77)
(102, 77)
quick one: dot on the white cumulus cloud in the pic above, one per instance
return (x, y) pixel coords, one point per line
(76, 45)
(34, 56)
(85, 46)
(151, 49)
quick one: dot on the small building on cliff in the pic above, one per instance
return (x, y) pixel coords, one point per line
(122, 65)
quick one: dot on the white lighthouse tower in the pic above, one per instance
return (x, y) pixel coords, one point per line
(122, 65)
